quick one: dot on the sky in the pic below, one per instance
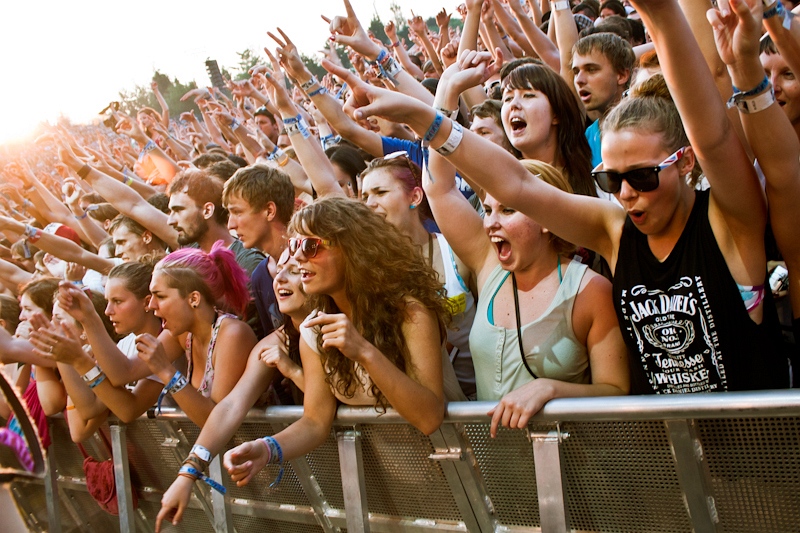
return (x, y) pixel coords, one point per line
(72, 58)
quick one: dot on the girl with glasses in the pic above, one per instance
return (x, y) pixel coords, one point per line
(689, 267)
(376, 336)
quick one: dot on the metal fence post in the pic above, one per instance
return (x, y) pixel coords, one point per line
(549, 464)
(223, 519)
(693, 475)
(51, 493)
(122, 477)
(353, 484)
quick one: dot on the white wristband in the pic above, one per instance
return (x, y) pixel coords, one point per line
(754, 104)
(561, 5)
(92, 374)
(768, 4)
(201, 452)
(453, 140)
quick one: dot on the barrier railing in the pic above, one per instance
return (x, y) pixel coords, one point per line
(722, 462)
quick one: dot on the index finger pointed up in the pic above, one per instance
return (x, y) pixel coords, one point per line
(326, 19)
(349, 8)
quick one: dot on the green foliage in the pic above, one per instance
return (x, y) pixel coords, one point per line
(247, 60)
(313, 66)
(171, 89)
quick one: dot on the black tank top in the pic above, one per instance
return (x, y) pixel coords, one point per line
(684, 321)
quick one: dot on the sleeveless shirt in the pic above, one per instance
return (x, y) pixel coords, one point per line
(683, 319)
(552, 350)
(463, 303)
(208, 372)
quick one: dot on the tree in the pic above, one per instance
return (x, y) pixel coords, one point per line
(247, 60)
(171, 89)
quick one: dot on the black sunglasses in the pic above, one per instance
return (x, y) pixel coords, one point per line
(309, 245)
(640, 179)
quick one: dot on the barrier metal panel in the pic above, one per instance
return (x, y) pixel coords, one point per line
(619, 471)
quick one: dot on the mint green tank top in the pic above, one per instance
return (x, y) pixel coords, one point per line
(551, 348)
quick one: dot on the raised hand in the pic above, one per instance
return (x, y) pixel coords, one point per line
(60, 342)
(348, 31)
(276, 85)
(151, 351)
(197, 93)
(74, 301)
(417, 24)
(474, 68)
(290, 58)
(737, 28)
(443, 18)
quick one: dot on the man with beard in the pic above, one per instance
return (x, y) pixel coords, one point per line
(197, 215)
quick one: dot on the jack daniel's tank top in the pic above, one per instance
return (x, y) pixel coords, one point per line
(684, 321)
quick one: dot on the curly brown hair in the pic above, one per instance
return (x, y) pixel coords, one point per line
(384, 272)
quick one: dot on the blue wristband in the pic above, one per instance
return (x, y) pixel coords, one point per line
(434, 128)
(738, 93)
(176, 384)
(275, 456)
(321, 90)
(186, 469)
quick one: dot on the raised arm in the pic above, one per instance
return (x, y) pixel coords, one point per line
(59, 246)
(786, 40)
(768, 130)
(308, 149)
(162, 103)
(735, 190)
(584, 221)
(401, 52)
(542, 46)
(125, 199)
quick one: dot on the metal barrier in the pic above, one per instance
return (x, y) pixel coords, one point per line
(723, 462)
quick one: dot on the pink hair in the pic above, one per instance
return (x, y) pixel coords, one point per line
(215, 275)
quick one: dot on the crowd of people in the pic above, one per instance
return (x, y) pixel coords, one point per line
(557, 200)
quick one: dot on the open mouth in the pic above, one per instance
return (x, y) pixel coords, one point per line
(306, 275)
(637, 217)
(503, 248)
(284, 293)
(517, 125)
(584, 95)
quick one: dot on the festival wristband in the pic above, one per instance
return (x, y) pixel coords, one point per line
(275, 457)
(561, 5)
(98, 381)
(84, 171)
(447, 112)
(321, 90)
(434, 128)
(453, 140)
(309, 84)
(201, 452)
(186, 469)
(92, 374)
(754, 104)
(32, 234)
(175, 385)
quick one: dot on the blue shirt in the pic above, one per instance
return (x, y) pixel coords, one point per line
(593, 136)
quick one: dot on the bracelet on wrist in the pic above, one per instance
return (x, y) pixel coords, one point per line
(92, 374)
(316, 92)
(32, 234)
(201, 452)
(447, 112)
(309, 84)
(433, 129)
(561, 5)
(193, 472)
(175, 385)
(453, 140)
(754, 104)
(84, 171)
(275, 457)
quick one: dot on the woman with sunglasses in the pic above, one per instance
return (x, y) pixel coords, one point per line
(376, 336)
(392, 187)
(689, 267)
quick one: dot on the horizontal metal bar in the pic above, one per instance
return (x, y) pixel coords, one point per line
(606, 409)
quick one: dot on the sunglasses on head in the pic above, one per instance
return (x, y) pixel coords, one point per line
(640, 179)
(309, 245)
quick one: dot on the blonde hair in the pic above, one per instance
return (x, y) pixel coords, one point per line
(552, 176)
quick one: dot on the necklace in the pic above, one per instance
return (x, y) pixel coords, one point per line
(519, 325)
